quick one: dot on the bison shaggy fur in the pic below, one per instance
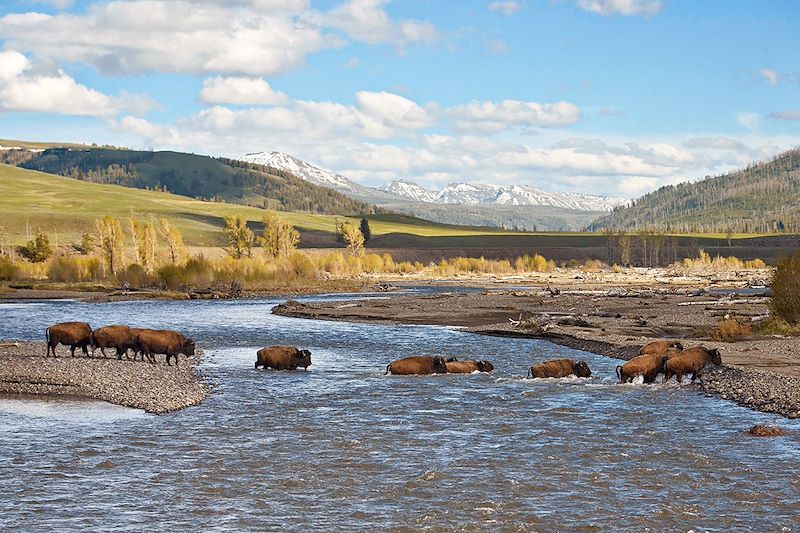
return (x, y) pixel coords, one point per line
(283, 358)
(659, 347)
(418, 364)
(691, 361)
(648, 366)
(119, 337)
(468, 367)
(72, 334)
(170, 343)
(560, 368)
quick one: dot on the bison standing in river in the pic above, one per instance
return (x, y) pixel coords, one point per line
(283, 358)
(659, 347)
(170, 343)
(648, 366)
(119, 337)
(691, 361)
(468, 367)
(72, 334)
(560, 368)
(418, 364)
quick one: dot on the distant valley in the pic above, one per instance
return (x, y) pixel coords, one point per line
(509, 206)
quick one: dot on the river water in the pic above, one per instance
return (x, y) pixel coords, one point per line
(344, 448)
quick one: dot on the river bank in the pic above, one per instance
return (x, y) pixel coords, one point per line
(158, 388)
(761, 373)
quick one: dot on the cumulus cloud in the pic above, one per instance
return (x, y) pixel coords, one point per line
(504, 7)
(126, 37)
(770, 75)
(368, 22)
(497, 116)
(621, 7)
(239, 90)
(23, 89)
(394, 110)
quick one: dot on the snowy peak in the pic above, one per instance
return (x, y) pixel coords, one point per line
(485, 194)
(303, 170)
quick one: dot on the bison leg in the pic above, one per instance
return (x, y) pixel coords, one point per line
(72, 350)
(694, 376)
(679, 377)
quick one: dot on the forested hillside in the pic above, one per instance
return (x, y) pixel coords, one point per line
(762, 198)
(191, 175)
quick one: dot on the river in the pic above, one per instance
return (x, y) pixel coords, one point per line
(343, 447)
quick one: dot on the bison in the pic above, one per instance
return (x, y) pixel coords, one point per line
(648, 366)
(659, 347)
(468, 367)
(691, 361)
(283, 358)
(72, 334)
(119, 337)
(419, 364)
(170, 343)
(560, 368)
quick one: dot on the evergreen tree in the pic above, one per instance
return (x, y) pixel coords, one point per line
(365, 231)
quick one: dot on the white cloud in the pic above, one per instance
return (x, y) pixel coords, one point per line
(771, 76)
(138, 126)
(239, 90)
(366, 21)
(59, 4)
(748, 119)
(504, 7)
(621, 7)
(12, 64)
(169, 36)
(498, 116)
(394, 110)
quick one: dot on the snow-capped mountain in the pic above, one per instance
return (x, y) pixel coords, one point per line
(402, 195)
(484, 194)
(303, 170)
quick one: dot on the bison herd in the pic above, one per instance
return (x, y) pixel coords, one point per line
(667, 358)
(145, 342)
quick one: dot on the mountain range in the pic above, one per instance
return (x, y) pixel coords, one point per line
(518, 206)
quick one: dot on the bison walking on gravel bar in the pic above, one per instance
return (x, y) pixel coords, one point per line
(648, 366)
(170, 343)
(418, 364)
(691, 361)
(659, 347)
(283, 358)
(560, 368)
(119, 337)
(72, 334)
(468, 367)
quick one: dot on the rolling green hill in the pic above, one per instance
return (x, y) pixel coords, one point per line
(762, 198)
(190, 175)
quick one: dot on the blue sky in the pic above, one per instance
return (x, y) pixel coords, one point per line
(612, 97)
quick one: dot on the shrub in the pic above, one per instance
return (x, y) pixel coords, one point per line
(37, 250)
(70, 268)
(731, 330)
(8, 270)
(785, 302)
(136, 276)
(172, 277)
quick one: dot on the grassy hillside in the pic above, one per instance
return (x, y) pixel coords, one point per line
(190, 175)
(68, 207)
(762, 198)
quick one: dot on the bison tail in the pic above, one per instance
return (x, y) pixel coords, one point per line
(388, 369)
(619, 372)
(529, 374)
(47, 335)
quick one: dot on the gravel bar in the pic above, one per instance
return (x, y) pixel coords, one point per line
(155, 388)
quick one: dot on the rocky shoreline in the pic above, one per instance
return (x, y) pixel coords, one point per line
(157, 389)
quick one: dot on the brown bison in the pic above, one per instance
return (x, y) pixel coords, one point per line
(659, 347)
(560, 368)
(170, 343)
(468, 367)
(119, 337)
(419, 364)
(72, 334)
(691, 361)
(648, 366)
(283, 358)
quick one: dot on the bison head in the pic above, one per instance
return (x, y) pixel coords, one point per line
(188, 347)
(676, 344)
(716, 357)
(484, 366)
(582, 370)
(451, 359)
(302, 358)
(439, 365)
